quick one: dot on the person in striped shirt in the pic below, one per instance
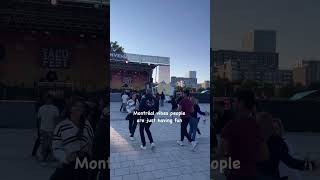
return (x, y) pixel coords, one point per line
(72, 140)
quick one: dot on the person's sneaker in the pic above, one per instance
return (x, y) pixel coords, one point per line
(194, 145)
(153, 145)
(180, 143)
(131, 138)
(143, 147)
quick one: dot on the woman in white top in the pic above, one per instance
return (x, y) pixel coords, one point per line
(132, 105)
(72, 141)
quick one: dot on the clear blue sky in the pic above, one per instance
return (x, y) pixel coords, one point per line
(296, 23)
(179, 29)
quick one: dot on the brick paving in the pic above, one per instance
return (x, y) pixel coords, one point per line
(167, 161)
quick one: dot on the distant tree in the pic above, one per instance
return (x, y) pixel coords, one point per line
(287, 91)
(265, 89)
(115, 47)
(201, 89)
(314, 86)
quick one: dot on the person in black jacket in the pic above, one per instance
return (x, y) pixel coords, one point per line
(162, 98)
(277, 150)
(101, 143)
(174, 104)
(148, 104)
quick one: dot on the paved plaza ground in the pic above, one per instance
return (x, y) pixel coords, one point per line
(167, 161)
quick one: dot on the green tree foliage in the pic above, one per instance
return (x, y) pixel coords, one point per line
(115, 47)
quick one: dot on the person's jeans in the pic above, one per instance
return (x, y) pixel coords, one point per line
(132, 124)
(193, 128)
(123, 107)
(146, 127)
(183, 130)
(161, 102)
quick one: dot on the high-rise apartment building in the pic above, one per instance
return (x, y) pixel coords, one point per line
(260, 41)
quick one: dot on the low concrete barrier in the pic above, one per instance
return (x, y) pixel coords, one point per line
(17, 114)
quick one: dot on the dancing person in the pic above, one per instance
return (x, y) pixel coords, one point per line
(132, 105)
(101, 143)
(68, 99)
(148, 104)
(72, 141)
(240, 138)
(194, 121)
(278, 150)
(162, 98)
(124, 98)
(174, 104)
(186, 106)
(48, 115)
(221, 117)
(93, 114)
(37, 142)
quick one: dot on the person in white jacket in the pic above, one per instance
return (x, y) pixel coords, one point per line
(72, 141)
(132, 105)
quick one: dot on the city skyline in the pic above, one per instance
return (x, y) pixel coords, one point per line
(154, 28)
(232, 19)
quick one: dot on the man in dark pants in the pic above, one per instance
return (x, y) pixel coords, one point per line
(186, 106)
(240, 138)
(148, 104)
(37, 142)
(101, 145)
(220, 119)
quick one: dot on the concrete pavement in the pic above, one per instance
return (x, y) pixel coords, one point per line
(167, 161)
(128, 161)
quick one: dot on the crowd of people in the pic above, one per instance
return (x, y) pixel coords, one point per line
(255, 139)
(148, 102)
(70, 131)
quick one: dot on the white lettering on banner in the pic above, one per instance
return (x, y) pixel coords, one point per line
(118, 56)
(55, 57)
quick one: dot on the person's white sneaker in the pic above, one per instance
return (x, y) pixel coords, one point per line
(180, 143)
(143, 147)
(131, 138)
(153, 145)
(194, 145)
